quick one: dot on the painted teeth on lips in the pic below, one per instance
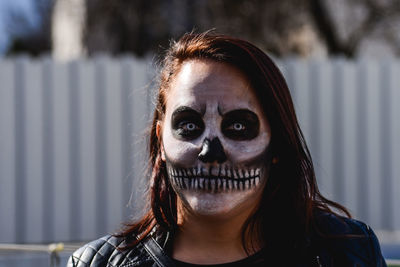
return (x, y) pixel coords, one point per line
(227, 173)
(215, 180)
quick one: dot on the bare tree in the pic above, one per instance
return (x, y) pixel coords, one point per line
(364, 19)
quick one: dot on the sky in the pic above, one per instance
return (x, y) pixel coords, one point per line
(5, 6)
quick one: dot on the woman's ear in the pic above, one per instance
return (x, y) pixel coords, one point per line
(158, 133)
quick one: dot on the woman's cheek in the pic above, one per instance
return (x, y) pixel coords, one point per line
(246, 151)
(181, 153)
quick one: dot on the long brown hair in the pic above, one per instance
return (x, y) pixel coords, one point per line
(291, 197)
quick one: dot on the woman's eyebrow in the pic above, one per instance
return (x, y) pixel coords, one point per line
(222, 112)
(241, 111)
(185, 109)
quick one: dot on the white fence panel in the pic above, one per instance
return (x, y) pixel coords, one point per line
(87, 192)
(62, 186)
(113, 144)
(34, 143)
(392, 200)
(373, 144)
(349, 131)
(8, 203)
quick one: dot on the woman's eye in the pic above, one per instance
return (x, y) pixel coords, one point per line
(240, 130)
(189, 126)
(188, 129)
(240, 124)
(186, 123)
(237, 126)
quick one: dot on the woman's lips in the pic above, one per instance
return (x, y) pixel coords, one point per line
(215, 179)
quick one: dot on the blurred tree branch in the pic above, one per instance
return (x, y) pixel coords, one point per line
(326, 27)
(377, 13)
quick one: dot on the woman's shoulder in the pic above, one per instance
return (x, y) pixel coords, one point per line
(334, 224)
(107, 251)
(347, 240)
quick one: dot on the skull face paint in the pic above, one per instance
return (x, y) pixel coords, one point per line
(215, 138)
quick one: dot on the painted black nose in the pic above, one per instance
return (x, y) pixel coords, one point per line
(212, 151)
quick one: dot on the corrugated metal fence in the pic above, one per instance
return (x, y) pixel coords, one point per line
(72, 141)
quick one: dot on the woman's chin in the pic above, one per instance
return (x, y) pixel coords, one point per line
(221, 204)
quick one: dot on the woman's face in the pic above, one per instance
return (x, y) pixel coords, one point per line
(215, 139)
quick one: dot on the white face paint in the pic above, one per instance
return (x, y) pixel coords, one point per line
(215, 138)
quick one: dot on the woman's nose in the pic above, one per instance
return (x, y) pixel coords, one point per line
(212, 151)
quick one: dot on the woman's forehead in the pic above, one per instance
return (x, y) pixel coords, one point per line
(201, 83)
(208, 73)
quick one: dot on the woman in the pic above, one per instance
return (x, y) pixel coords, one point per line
(232, 181)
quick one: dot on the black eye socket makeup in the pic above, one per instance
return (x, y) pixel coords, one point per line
(240, 124)
(186, 123)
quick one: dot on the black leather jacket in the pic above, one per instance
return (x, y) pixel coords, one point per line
(360, 251)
